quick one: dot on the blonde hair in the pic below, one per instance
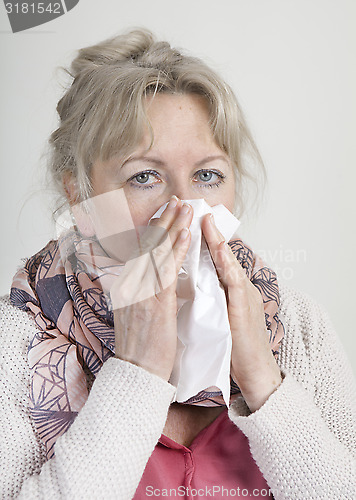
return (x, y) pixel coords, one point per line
(102, 113)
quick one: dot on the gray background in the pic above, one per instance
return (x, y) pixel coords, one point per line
(292, 65)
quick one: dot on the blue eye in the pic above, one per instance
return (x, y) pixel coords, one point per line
(206, 176)
(142, 178)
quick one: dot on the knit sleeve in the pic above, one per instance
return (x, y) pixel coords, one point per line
(304, 437)
(104, 452)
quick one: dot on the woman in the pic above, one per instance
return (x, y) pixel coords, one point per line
(140, 126)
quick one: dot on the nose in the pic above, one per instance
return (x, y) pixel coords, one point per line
(183, 191)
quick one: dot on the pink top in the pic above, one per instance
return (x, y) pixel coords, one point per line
(217, 464)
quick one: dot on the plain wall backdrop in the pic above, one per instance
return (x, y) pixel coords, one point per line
(292, 66)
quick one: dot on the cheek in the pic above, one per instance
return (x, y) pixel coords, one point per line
(139, 215)
(224, 195)
(230, 199)
(142, 208)
(230, 193)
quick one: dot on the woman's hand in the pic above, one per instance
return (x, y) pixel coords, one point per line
(253, 366)
(144, 295)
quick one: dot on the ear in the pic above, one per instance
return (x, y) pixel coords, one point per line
(81, 217)
(70, 187)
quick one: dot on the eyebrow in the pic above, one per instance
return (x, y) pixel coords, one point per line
(158, 162)
(208, 159)
(155, 161)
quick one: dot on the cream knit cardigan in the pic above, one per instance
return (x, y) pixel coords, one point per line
(303, 438)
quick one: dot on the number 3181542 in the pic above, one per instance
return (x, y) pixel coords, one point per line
(33, 8)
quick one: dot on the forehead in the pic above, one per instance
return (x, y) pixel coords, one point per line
(178, 120)
(186, 108)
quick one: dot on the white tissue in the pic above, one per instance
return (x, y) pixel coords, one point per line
(204, 338)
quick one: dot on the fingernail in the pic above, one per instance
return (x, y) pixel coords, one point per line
(185, 209)
(184, 234)
(172, 202)
(212, 218)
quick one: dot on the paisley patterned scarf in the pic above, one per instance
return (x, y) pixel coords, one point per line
(66, 288)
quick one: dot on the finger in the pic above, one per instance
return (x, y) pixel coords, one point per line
(180, 248)
(179, 236)
(212, 236)
(158, 227)
(230, 271)
(180, 221)
(171, 252)
(168, 263)
(168, 214)
(175, 216)
(228, 267)
(184, 216)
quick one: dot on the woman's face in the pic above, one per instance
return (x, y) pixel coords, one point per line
(184, 160)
